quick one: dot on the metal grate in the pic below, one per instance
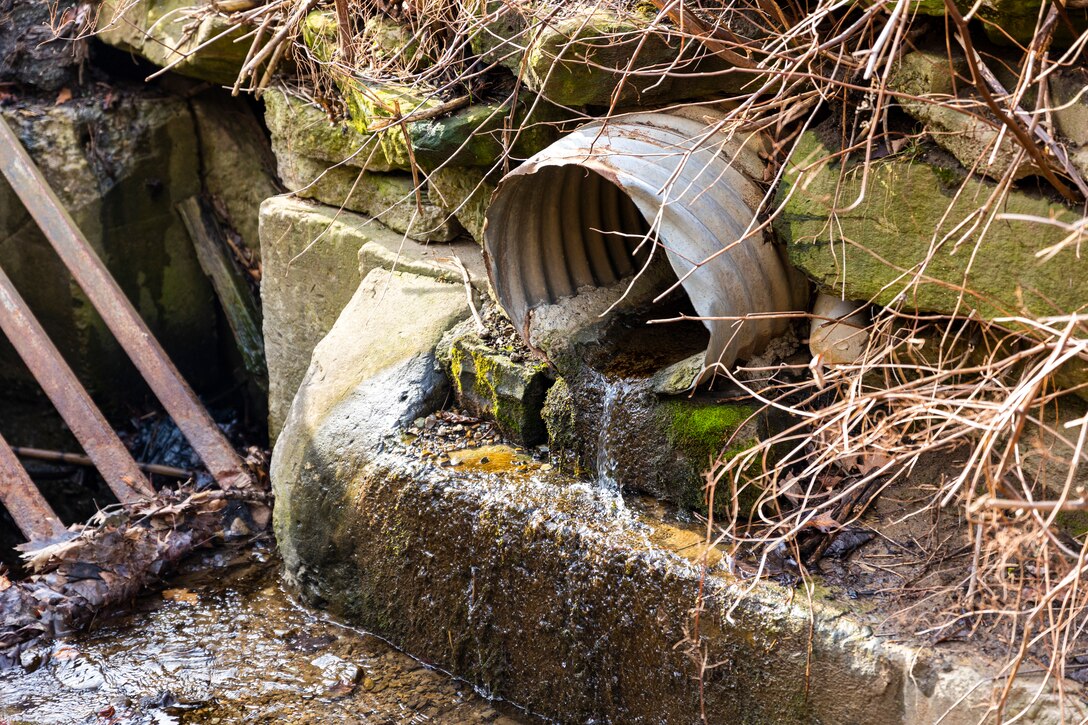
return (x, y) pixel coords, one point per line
(18, 495)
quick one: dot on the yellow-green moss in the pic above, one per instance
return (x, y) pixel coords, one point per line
(704, 429)
(702, 432)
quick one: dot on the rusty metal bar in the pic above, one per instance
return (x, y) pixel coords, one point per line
(69, 396)
(120, 316)
(32, 513)
(76, 459)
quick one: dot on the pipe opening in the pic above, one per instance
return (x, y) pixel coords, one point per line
(582, 242)
(591, 234)
(567, 231)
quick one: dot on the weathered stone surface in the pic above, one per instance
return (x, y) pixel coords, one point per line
(373, 373)
(560, 421)
(491, 385)
(469, 137)
(237, 163)
(30, 52)
(389, 198)
(875, 251)
(303, 129)
(464, 192)
(579, 57)
(119, 173)
(386, 41)
(159, 30)
(314, 258)
(1070, 104)
(1005, 19)
(679, 377)
(965, 135)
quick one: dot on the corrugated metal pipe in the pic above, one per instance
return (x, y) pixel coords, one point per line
(574, 216)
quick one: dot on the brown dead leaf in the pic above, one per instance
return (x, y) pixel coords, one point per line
(185, 596)
(64, 96)
(5, 583)
(823, 522)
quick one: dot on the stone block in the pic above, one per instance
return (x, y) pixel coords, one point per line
(911, 216)
(464, 192)
(965, 135)
(314, 258)
(390, 198)
(552, 593)
(580, 57)
(491, 385)
(182, 32)
(238, 168)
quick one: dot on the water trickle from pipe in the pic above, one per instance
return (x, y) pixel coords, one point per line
(614, 390)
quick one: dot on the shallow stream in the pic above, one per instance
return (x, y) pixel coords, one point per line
(224, 643)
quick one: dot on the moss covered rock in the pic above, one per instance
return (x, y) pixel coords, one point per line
(704, 433)
(304, 129)
(372, 139)
(472, 135)
(239, 169)
(910, 216)
(390, 197)
(491, 385)
(182, 32)
(579, 57)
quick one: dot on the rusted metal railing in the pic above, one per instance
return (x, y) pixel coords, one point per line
(122, 473)
(32, 513)
(69, 396)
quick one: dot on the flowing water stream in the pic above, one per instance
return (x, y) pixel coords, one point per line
(225, 644)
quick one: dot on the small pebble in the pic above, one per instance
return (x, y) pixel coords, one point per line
(420, 422)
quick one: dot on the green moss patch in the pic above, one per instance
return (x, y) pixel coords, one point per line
(702, 432)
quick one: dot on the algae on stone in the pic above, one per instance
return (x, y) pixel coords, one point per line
(302, 128)
(707, 432)
(473, 135)
(909, 216)
(373, 140)
(491, 385)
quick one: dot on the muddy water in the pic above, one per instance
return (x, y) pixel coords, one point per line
(225, 644)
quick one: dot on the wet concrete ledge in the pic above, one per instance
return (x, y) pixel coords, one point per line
(558, 597)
